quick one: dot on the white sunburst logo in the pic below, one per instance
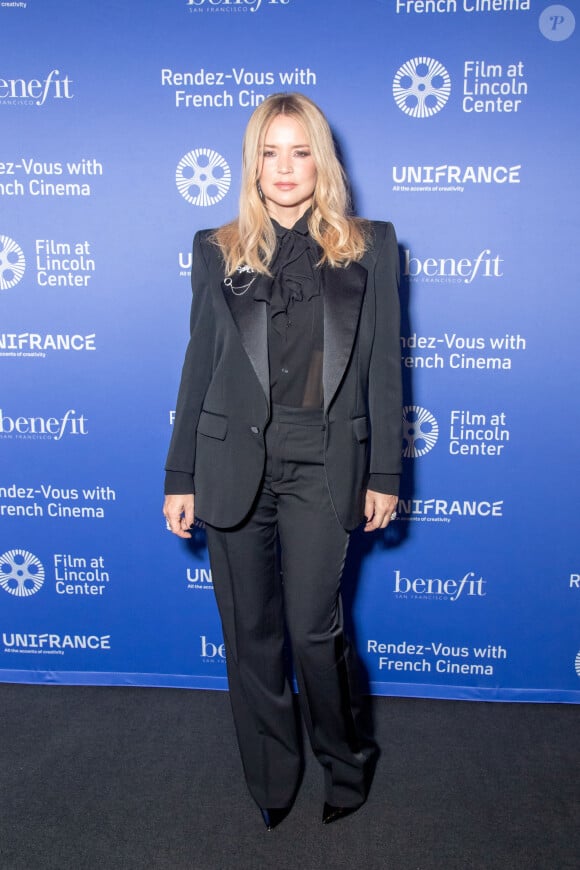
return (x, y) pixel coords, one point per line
(21, 573)
(203, 177)
(421, 87)
(12, 263)
(420, 431)
(577, 663)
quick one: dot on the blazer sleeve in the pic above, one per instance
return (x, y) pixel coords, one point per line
(195, 377)
(385, 381)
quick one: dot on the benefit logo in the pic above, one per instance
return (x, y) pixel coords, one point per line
(470, 585)
(463, 270)
(51, 428)
(37, 92)
(232, 5)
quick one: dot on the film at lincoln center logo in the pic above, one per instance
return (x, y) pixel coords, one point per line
(12, 263)
(420, 431)
(203, 177)
(21, 573)
(421, 87)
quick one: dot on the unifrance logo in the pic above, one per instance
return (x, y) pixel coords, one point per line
(52, 644)
(12, 263)
(448, 177)
(421, 87)
(21, 573)
(443, 510)
(203, 177)
(420, 431)
(35, 344)
(199, 578)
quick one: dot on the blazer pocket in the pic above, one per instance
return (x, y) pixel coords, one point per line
(360, 427)
(212, 425)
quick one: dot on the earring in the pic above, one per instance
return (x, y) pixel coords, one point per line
(260, 191)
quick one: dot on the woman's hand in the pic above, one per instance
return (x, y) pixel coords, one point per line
(379, 510)
(178, 511)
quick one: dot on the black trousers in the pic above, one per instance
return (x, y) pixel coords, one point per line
(256, 601)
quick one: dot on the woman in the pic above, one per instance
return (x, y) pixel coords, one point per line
(287, 428)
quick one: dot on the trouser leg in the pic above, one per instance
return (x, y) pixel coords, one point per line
(313, 547)
(295, 503)
(248, 590)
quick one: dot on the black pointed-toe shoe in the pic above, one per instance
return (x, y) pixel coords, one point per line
(333, 814)
(273, 817)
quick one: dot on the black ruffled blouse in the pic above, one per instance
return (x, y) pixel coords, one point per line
(296, 322)
(296, 327)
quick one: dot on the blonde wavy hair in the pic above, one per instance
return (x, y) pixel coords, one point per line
(250, 240)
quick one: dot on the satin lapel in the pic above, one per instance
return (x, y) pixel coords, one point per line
(250, 317)
(343, 294)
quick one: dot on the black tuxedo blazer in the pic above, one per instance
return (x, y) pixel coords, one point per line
(217, 449)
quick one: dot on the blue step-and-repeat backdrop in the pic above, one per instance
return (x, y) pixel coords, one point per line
(121, 128)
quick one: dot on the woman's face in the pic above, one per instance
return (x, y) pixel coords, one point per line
(288, 173)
